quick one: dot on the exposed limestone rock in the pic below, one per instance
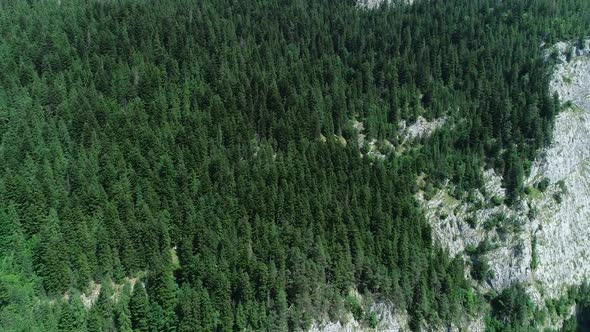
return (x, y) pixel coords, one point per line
(546, 246)
(371, 4)
(388, 321)
(420, 128)
(371, 146)
(564, 227)
(542, 241)
(379, 149)
(89, 298)
(391, 321)
(461, 224)
(350, 326)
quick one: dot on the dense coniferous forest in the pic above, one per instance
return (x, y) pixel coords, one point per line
(203, 152)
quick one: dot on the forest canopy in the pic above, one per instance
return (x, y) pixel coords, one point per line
(204, 150)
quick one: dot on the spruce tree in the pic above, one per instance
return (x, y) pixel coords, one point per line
(52, 257)
(139, 308)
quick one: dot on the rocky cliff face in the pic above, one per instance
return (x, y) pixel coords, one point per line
(542, 241)
(563, 225)
(482, 220)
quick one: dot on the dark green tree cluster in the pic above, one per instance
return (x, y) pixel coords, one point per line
(514, 310)
(193, 142)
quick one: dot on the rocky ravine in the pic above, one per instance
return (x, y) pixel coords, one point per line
(563, 233)
(543, 241)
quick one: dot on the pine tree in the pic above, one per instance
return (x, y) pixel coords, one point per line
(139, 307)
(72, 316)
(52, 257)
(123, 315)
(162, 289)
(189, 310)
(104, 306)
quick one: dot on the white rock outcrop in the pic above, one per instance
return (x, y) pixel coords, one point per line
(388, 320)
(459, 224)
(371, 145)
(547, 246)
(406, 135)
(371, 4)
(563, 246)
(420, 128)
(391, 321)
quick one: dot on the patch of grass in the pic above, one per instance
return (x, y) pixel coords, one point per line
(372, 320)
(533, 192)
(527, 190)
(174, 258)
(497, 200)
(575, 109)
(449, 201)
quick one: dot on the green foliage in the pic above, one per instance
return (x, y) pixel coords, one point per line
(139, 308)
(512, 310)
(480, 269)
(495, 221)
(513, 175)
(497, 200)
(51, 256)
(471, 221)
(130, 129)
(543, 184)
(353, 305)
(72, 316)
(372, 319)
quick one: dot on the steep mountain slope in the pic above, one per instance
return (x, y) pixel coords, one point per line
(542, 241)
(205, 151)
(563, 219)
